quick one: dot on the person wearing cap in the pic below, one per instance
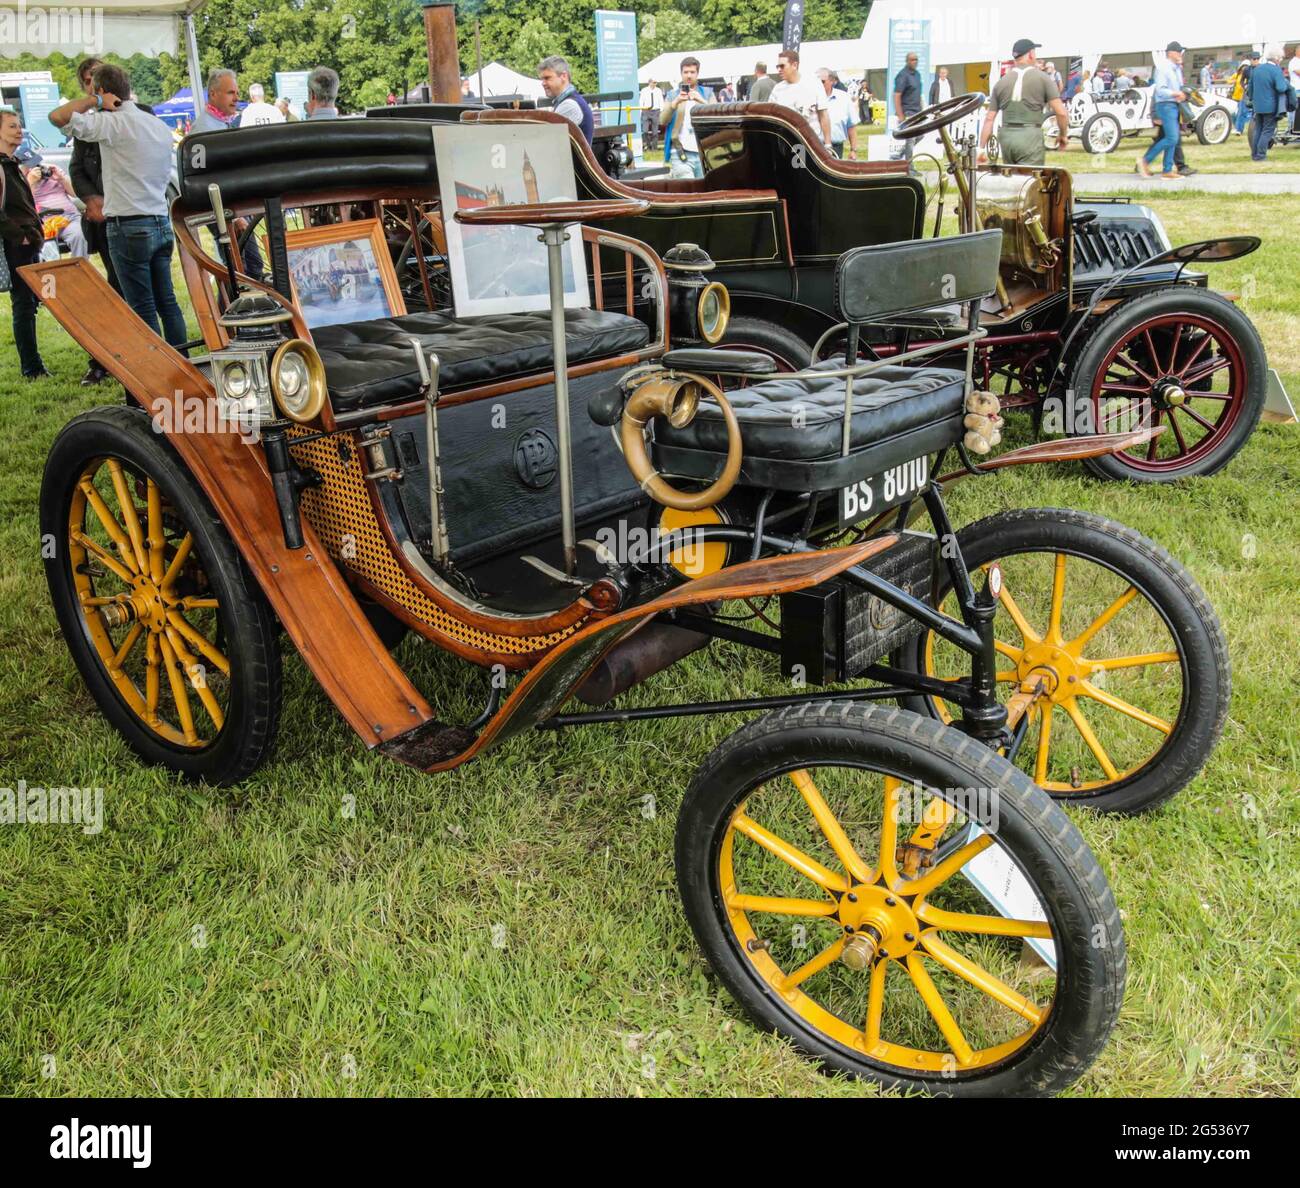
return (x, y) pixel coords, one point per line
(1167, 82)
(1023, 96)
(1241, 91)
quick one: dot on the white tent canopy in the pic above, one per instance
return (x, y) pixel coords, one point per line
(122, 27)
(985, 33)
(849, 55)
(501, 80)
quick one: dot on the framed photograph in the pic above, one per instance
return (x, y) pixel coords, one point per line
(503, 269)
(342, 272)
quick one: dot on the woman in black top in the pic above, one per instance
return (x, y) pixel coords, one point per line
(20, 228)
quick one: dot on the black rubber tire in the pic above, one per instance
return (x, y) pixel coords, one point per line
(1037, 834)
(769, 337)
(249, 627)
(1176, 299)
(1085, 134)
(1180, 601)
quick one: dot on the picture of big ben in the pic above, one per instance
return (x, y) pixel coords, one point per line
(530, 181)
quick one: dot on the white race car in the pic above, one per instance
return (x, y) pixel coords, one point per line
(1101, 121)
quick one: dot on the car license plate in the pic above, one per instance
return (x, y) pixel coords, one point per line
(860, 501)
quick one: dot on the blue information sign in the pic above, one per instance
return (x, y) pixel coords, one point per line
(908, 36)
(38, 99)
(616, 64)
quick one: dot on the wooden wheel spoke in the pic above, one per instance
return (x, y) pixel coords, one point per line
(833, 831)
(1078, 642)
(130, 519)
(111, 563)
(942, 872)
(197, 676)
(1206, 369)
(109, 521)
(938, 1009)
(179, 695)
(790, 855)
(1153, 446)
(1133, 661)
(1127, 708)
(1178, 433)
(946, 921)
(980, 978)
(816, 965)
(1121, 357)
(888, 863)
(178, 561)
(191, 633)
(119, 657)
(780, 906)
(157, 539)
(1200, 420)
(194, 603)
(1058, 598)
(1018, 616)
(1044, 745)
(1081, 725)
(152, 679)
(1206, 339)
(876, 1002)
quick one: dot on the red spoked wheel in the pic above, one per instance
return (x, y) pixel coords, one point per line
(1184, 359)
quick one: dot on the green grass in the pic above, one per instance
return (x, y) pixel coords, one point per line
(513, 927)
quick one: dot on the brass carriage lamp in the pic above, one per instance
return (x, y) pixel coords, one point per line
(699, 308)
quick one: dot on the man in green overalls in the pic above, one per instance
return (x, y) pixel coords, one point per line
(1023, 95)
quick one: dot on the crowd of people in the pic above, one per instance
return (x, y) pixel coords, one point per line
(113, 201)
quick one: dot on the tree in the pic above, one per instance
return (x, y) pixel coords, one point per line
(669, 31)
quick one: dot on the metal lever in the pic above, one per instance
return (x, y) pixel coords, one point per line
(224, 243)
(429, 371)
(554, 236)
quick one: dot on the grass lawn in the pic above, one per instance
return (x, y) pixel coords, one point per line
(514, 927)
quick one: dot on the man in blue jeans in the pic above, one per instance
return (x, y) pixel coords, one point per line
(1268, 94)
(137, 157)
(1169, 93)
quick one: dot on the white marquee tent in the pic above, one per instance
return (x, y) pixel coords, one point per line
(122, 27)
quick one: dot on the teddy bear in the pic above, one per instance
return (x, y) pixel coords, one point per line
(983, 424)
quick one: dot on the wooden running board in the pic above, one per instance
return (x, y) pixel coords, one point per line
(304, 586)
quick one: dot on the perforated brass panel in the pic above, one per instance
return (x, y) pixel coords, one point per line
(341, 513)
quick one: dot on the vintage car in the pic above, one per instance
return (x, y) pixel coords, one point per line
(1102, 120)
(567, 500)
(1097, 322)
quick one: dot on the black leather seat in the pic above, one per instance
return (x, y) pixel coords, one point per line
(791, 429)
(373, 363)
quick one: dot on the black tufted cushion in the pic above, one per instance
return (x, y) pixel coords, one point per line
(370, 363)
(890, 403)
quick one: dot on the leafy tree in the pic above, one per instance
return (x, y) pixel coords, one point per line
(668, 31)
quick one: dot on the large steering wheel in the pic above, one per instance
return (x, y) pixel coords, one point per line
(939, 116)
(676, 397)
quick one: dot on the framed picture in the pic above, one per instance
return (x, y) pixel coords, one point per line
(503, 269)
(342, 272)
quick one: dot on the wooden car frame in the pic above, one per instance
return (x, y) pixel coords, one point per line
(346, 485)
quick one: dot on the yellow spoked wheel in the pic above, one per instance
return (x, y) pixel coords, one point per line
(170, 634)
(147, 605)
(1107, 645)
(840, 900)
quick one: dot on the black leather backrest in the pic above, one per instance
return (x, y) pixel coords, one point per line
(894, 278)
(311, 155)
(442, 113)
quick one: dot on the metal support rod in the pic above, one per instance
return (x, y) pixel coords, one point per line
(197, 90)
(430, 370)
(850, 358)
(555, 237)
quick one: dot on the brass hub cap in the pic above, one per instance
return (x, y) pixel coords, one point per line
(876, 918)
